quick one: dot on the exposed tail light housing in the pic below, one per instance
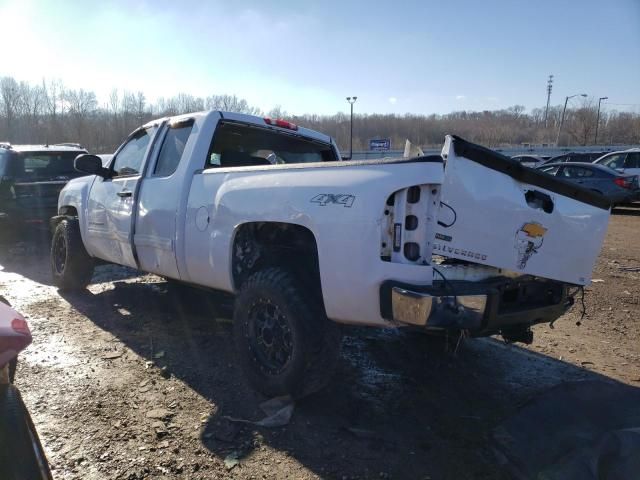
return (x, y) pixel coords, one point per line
(623, 182)
(408, 225)
(280, 123)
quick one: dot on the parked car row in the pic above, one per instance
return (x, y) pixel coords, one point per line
(623, 159)
(615, 175)
(537, 160)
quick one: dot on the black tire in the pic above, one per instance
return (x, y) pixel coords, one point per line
(299, 353)
(21, 453)
(71, 265)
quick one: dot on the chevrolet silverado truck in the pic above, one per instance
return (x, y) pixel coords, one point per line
(467, 241)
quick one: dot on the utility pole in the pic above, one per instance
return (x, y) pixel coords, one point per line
(595, 140)
(563, 112)
(351, 101)
(549, 88)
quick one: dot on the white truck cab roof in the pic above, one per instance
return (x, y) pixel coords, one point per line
(266, 122)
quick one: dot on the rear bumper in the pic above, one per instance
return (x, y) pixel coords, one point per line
(482, 308)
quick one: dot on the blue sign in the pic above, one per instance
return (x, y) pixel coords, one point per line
(380, 144)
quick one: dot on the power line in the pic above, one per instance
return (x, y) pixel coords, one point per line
(625, 104)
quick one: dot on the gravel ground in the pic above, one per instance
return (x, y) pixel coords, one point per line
(136, 378)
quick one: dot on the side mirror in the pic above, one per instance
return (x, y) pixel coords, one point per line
(91, 164)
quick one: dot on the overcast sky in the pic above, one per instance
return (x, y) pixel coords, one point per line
(417, 56)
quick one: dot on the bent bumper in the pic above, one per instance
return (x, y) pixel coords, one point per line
(480, 308)
(422, 309)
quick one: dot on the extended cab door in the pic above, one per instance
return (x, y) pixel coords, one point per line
(111, 201)
(159, 200)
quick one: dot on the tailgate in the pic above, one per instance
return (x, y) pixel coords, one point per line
(496, 212)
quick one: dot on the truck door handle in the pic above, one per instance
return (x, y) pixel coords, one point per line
(125, 193)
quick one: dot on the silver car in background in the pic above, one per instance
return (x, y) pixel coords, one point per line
(626, 161)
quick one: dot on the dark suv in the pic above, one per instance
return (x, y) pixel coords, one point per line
(31, 177)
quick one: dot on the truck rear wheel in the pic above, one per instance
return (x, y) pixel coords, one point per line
(284, 341)
(71, 265)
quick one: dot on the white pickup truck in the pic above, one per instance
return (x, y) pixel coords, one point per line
(467, 241)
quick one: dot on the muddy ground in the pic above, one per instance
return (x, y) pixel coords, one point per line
(399, 406)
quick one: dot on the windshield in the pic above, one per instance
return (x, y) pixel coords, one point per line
(43, 166)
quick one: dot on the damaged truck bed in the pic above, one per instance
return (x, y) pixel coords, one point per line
(517, 245)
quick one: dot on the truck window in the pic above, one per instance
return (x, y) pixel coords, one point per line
(129, 159)
(172, 148)
(241, 145)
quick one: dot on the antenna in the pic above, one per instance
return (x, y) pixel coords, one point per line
(549, 89)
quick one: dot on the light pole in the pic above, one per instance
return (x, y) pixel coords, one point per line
(595, 140)
(351, 101)
(549, 89)
(563, 112)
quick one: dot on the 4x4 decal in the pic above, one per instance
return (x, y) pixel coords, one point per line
(344, 199)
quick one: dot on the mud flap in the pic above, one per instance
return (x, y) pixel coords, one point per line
(497, 212)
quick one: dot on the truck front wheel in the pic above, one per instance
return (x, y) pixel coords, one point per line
(285, 343)
(71, 265)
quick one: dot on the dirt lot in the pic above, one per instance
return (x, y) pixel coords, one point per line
(399, 407)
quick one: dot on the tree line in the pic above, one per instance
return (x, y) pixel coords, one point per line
(50, 112)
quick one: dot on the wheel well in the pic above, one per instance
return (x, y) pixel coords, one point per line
(258, 245)
(68, 211)
(64, 212)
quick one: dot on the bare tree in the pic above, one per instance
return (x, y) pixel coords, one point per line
(82, 105)
(10, 97)
(50, 112)
(581, 123)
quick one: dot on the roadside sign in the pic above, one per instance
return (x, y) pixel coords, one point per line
(380, 144)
